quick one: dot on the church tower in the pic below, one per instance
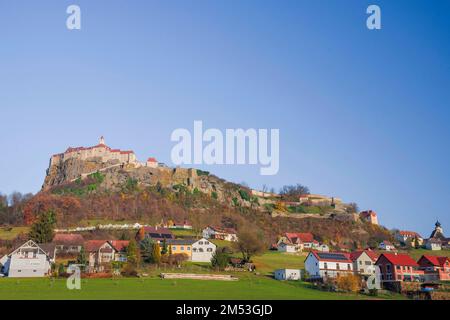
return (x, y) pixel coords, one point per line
(102, 140)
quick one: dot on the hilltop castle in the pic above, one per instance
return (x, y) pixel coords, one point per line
(102, 151)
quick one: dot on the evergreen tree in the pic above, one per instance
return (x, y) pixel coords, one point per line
(146, 246)
(133, 254)
(42, 229)
(81, 258)
(156, 253)
(164, 247)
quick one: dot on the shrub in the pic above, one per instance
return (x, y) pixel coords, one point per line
(244, 195)
(220, 259)
(349, 283)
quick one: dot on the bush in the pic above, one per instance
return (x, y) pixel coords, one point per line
(220, 259)
(244, 195)
(129, 270)
(349, 283)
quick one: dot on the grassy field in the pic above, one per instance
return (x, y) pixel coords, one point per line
(417, 253)
(250, 287)
(272, 260)
(7, 233)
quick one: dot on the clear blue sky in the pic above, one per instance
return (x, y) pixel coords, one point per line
(363, 115)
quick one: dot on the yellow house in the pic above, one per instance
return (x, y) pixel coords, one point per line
(177, 246)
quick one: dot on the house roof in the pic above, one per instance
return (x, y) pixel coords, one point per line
(303, 237)
(119, 245)
(356, 254)
(93, 245)
(436, 260)
(409, 233)
(151, 159)
(68, 239)
(399, 259)
(387, 243)
(332, 256)
(181, 241)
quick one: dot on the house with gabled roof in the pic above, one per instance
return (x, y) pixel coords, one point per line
(386, 245)
(398, 267)
(157, 234)
(328, 265)
(214, 232)
(364, 262)
(28, 260)
(436, 268)
(405, 236)
(68, 242)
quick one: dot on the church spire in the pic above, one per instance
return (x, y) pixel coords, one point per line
(102, 140)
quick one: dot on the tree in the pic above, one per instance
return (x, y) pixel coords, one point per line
(291, 192)
(81, 258)
(42, 229)
(164, 247)
(250, 242)
(133, 254)
(156, 253)
(220, 259)
(61, 270)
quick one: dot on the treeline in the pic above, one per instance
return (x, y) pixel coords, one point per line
(11, 208)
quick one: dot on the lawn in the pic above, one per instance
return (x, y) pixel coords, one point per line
(272, 260)
(417, 253)
(9, 233)
(248, 287)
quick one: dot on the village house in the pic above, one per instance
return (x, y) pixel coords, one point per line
(433, 244)
(287, 274)
(28, 260)
(227, 234)
(364, 262)
(386, 245)
(306, 239)
(180, 246)
(325, 265)
(100, 254)
(68, 243)
(408, 237)
(120, 249)
(398, 267)
(157, 234)
(369, 216)
(203, 250)
(289, 247)
(436, 268)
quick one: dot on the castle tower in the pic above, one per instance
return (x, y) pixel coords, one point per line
(438, 232)
(102, 140)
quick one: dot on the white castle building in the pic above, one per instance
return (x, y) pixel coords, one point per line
(101, 150)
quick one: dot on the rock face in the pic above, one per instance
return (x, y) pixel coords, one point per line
(117, 174)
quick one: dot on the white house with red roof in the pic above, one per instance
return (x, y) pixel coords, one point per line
(213, 232)
(436, 268)
(306, 239)
(68, 242)
(405, 236)
(328, 264)
(398, 267)
(364, 262)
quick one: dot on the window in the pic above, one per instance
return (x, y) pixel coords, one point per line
(182, 248)
(209, 249)
(368, 263)
(206, 242)
(174, 248)
(388, 268)
(325, 265)
(337, 266)
(194, 250)
(200, 242)
(360, 262)
(349, 266)
(200, 250)
(188, 248)
(34, 270)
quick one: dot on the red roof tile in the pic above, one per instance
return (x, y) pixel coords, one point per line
(119, 245)
(68, 239)
(399, 259)
(436, 260)
(303, 237)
